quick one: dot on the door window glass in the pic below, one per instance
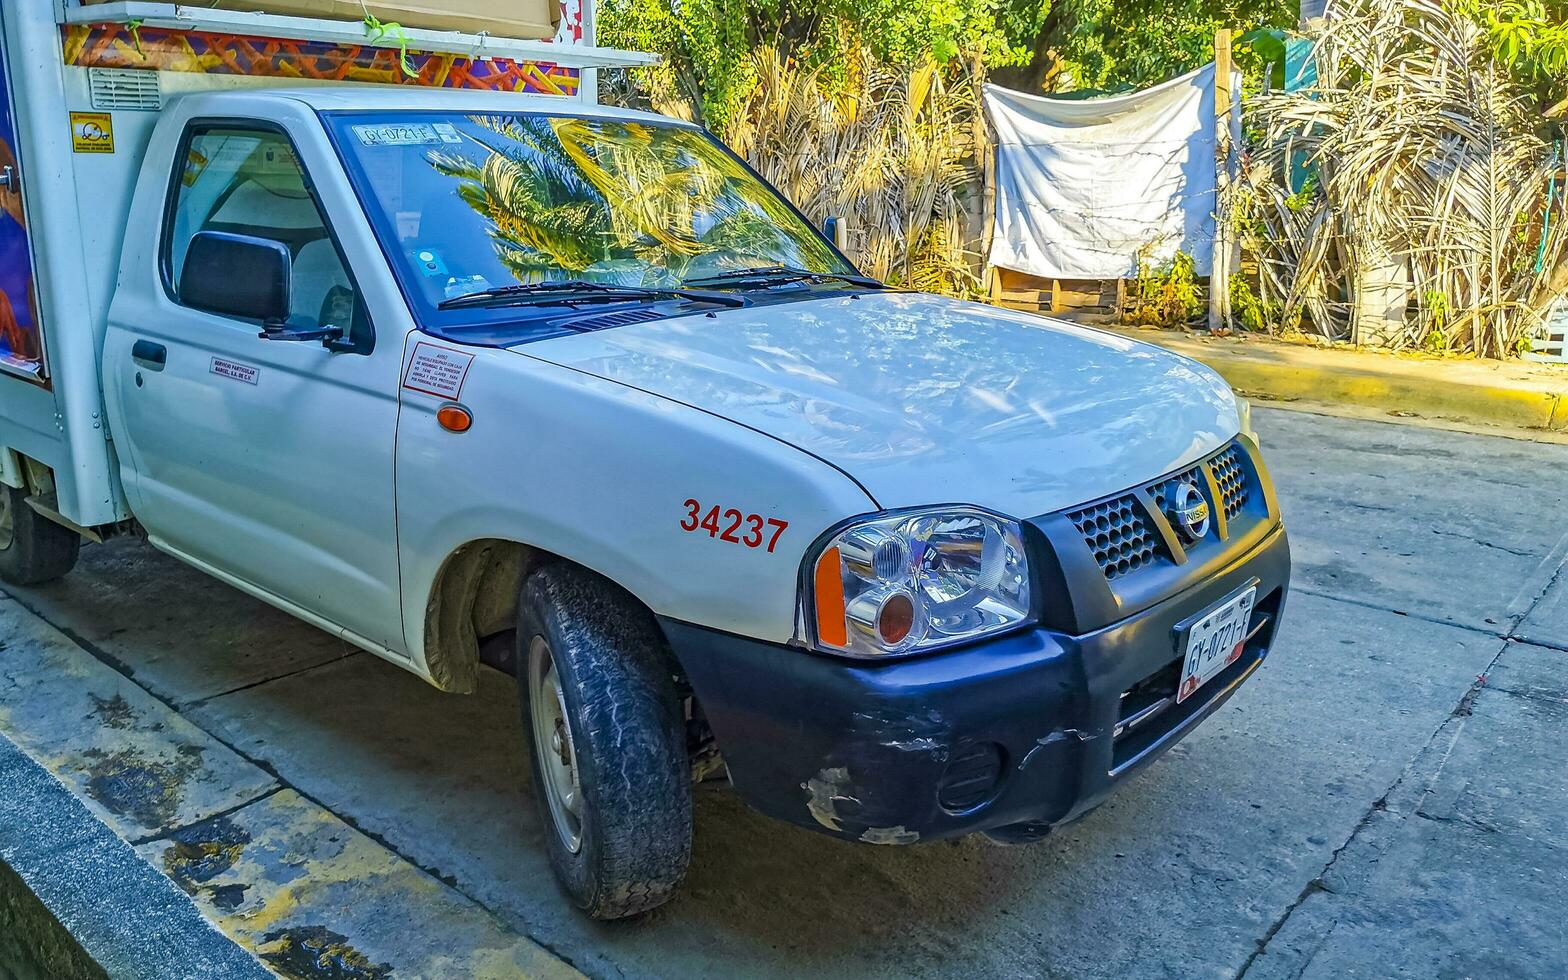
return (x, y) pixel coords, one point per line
(249, 182)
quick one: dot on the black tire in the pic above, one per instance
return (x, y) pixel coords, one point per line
(33, 549)
(625, 745)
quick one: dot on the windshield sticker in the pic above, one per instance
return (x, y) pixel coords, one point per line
(398, 134)
(195, 165)
(438, 371)
(429, 262)
(448, 133)
(463, 285)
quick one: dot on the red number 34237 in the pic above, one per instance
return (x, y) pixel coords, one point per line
(733, 526)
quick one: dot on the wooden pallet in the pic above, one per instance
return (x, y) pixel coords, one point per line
(1018, 291)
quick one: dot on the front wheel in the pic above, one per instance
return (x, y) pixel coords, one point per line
(611, 776)
(33, 549)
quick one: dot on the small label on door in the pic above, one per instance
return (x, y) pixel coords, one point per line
(92, 132)
(235, 372)
(438, 371)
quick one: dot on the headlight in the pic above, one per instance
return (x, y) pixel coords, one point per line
(916, 581)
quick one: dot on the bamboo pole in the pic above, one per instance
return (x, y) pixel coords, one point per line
(1219, 272)
(986, 148)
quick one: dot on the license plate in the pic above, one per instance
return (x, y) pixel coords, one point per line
(1215, 641)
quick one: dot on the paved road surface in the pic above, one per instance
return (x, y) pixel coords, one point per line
(1365, 806)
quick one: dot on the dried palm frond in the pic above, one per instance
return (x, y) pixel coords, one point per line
(1424, 155)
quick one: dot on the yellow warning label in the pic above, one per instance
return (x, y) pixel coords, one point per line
(92, 132)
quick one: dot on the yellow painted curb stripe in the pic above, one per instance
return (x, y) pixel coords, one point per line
(1434, 398)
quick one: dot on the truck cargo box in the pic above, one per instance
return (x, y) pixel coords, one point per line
(503, 18)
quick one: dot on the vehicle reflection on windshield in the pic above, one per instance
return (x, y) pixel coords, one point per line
(619, 202)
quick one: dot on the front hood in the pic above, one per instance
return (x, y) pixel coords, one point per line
(927, 400)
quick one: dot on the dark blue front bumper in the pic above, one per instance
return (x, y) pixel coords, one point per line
(1025, 732)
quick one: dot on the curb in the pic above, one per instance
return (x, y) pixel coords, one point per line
(77, 901)
(1469, 392)
(33, 943)
(157, 850)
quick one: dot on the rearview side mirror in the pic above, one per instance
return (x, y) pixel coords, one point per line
(237, 275)
(833, 227)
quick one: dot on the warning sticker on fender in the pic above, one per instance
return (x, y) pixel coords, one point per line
(438, 371)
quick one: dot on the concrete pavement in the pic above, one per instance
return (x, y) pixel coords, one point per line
(1385, 797)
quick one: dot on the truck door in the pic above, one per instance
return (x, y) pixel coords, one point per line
(269, 461)
(21, 342)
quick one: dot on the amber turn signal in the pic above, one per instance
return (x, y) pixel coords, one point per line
(831, 628)
(454, 418)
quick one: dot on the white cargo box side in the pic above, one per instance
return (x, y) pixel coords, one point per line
(55, 416)
(84, 84)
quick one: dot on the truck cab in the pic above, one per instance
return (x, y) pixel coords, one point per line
(479, 378)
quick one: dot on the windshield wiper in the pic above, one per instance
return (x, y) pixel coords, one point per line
(772, 275)
(576, 291)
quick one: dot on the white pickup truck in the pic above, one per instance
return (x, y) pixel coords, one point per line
(486, 377)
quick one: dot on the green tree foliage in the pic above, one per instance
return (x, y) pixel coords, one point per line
(708, 43)
(1130, 44)
(1529, 39)
(1034, 44)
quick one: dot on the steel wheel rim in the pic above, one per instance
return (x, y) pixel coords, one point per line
(7, 520)
(554, 747)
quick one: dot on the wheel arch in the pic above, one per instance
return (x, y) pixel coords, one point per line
(474, 598)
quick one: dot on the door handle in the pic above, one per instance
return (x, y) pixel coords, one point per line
(150, 355)
(8, 179)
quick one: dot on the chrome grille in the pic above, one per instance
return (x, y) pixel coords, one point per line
(1231, 481)
(1119, 534)
(1122, 534)
(1162, 491)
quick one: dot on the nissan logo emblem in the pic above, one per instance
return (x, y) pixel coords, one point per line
(1189, 511)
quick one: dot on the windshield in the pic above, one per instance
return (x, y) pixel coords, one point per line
(471, 203)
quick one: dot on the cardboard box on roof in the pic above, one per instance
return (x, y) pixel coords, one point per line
(528, 19)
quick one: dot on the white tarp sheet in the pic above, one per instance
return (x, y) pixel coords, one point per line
(1082, 186)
